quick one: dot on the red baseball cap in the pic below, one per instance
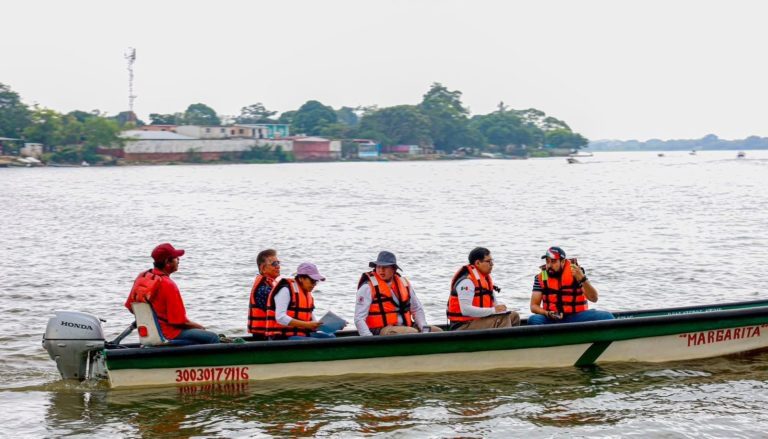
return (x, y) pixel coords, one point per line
(166, 251)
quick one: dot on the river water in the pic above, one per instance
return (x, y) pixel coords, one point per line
(651, 231)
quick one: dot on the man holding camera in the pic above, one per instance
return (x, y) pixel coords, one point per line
(561, 291)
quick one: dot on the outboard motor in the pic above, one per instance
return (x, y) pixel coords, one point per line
(71, 339)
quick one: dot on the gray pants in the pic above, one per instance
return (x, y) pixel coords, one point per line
(396, 330)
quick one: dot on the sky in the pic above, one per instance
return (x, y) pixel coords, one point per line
(610, 69)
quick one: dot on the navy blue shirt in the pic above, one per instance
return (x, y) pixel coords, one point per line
(261, 295)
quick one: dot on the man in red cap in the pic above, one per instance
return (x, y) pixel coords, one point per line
(561, 291)
(156, 287)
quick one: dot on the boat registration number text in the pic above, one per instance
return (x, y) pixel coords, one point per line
(212, 374)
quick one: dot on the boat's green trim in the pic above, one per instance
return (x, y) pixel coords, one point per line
(696, 309)
(424, 344)
(591, 355)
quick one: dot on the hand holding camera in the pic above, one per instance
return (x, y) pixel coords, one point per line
(576, 270)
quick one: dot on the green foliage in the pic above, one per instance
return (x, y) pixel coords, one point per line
(99, 131)
(82, 116)
(255, 113)
(46, 127)
(194, 156)
(201, 114)
(53, 129)
(266, 154)
(348, 116)
(287, 117)
(336, 131)
(166, 119)
(566, 139)
(448, 119)
(74, 154)
(539, 153)
(402, 124)
(14, 115)
(72, 129)
(312, 118)
(504, 128)
(540, 120)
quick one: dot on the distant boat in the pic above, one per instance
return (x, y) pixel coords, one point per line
(580, 154)
(572, 161)
(693, 152)
(661, 154)
(741, 155)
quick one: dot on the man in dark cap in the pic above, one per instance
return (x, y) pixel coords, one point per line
(386, 303)
(561, 291)
(156, 287)
(472, 301)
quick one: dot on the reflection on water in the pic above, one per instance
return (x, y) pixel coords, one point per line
(604, 400)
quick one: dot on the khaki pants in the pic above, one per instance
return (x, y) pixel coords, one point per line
(397, 330)
(492, 321)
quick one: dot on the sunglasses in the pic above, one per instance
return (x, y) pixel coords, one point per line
(275, 263)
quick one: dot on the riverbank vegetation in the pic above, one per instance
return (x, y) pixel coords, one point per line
(439, 122)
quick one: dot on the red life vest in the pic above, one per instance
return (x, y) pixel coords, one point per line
(300, 307)
(257, 316)
(562, 295)
(384, 310)
(483, 293)
(144, 287)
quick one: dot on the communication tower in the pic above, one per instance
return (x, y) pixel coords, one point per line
(130, 56)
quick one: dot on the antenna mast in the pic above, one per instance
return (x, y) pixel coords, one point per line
(130, 55)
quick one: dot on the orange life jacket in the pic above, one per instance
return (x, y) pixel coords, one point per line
(384, 310)
(144, 287)
(562, 295)
(257, 316)
(483, 293)
(299, 308)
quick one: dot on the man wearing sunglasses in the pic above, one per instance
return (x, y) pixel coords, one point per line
(561, 292)
(472, 302)
(385, 302)
(269, 271)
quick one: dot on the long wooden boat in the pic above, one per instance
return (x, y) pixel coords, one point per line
(658, 335)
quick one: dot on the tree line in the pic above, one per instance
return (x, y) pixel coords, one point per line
(708, 142)
(440, 120)
(66, 137)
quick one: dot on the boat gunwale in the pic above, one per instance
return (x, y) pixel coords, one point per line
(602, 329)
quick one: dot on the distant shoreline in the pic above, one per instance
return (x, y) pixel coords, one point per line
(707, 143)
(9, 161)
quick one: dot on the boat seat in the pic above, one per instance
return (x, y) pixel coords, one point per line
(149, 327)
